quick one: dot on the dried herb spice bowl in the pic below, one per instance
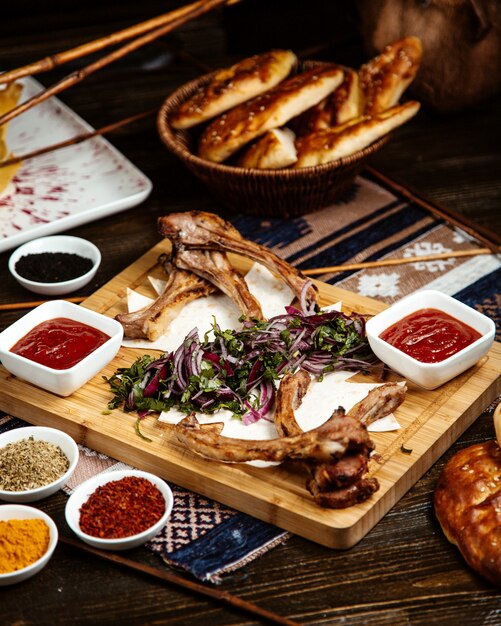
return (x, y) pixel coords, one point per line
(116, 503)
(53, 266)
(66, 381)
(25, 522)
(35, 461)
(430, 375)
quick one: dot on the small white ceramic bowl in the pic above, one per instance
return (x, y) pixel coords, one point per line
(57, 243)
(430, 375)
(21, 512)
(52, 435)
(84, 491)
(62, 382)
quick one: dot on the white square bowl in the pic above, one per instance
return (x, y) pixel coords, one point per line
(61, 382)
(430, 375)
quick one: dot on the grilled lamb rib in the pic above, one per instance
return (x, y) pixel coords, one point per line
(197, 230)
(325, 443)
(151, 321)
(340, 482)
(214, 266)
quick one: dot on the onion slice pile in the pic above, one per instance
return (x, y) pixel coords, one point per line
(238, 370)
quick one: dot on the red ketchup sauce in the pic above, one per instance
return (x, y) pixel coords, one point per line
(430, 335)
(59, 343)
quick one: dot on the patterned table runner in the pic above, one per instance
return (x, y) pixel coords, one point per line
(371, 222)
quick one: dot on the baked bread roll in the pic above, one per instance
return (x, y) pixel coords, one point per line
(329, 145)
(234, 85)
(384, 78)
(273, 150)
(342, 105)
(273, 109)
(468, 507)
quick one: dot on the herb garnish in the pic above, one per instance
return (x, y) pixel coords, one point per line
(237, 369)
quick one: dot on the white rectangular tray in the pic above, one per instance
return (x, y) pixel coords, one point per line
(66, 188)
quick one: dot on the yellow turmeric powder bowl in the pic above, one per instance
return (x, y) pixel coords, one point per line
(28, 538)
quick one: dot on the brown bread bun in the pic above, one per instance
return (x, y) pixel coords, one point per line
(234, 85)
(228, 133)
(384, 78)
(468, 507)
(273, 150)
(325, 146)
(342, 105)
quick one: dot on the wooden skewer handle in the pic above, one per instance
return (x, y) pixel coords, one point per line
(15, 306)
(73, 141)
(55, 60)
(197, 9)
(220, 596)
(385, 262)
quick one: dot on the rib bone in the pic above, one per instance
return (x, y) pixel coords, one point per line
(151, 321)
(325, 443)
(215, 267)
(205, 231)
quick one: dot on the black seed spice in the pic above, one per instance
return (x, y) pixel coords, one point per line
(52, 267)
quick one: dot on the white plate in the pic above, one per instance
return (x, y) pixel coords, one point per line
(65, 188)
(83, 492)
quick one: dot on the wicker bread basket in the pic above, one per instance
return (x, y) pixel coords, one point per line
(273, 193)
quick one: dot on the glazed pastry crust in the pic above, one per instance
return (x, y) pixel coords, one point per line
(330, 145)
(273, 109)
(273, 150)
(342, 105)
(234, 85)
(468, 507)
(384, 78)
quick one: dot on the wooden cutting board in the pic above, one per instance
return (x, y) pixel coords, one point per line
(431, 421)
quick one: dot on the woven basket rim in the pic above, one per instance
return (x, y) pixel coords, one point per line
(168, 136)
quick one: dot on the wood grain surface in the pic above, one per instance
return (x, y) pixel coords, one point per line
(430, 421)
(404, 571)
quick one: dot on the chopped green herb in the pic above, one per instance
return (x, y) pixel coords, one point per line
(237, 370)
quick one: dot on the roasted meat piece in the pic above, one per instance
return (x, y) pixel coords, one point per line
(325, 443)
(215, 267)
(342, 498)
(197, 230)
(379, 402)
(339, 482)
(182, 287)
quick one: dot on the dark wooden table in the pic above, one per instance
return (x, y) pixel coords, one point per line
(404, 571)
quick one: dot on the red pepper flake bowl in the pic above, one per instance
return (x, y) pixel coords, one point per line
(89, 359)
(120, 502)
(441, 342)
